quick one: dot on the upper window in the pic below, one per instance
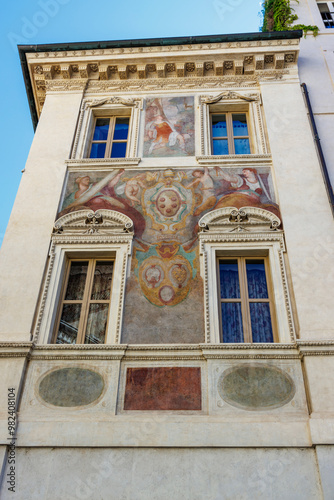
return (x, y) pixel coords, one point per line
(110, 137)
(327, 13)
(230, 135)
(83, 312)
(246, 305)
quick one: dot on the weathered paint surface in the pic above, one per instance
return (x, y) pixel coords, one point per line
(162, 388)
(169, 127)
(69, 387)
(256, 387)
(165, 206)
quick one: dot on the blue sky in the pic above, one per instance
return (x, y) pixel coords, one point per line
(33, 22)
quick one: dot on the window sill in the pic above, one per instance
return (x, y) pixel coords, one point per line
(105, 162)
(231, 160)
(183, 351)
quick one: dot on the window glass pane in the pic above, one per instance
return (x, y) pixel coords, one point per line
(261, 322)
(69, 322)
(219, 126)
(102, 281)
(239, 125)
(229, 279)
(256, 278)
(323, 7)
(121, 128)
(76, 281)
(96, 323)
(241, 146)
(118, 150)
(220, 147)
(98, 150)
(101, 129)
(232, 322)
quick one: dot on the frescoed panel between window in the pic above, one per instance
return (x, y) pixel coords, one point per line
(169, 127)
(164, 294)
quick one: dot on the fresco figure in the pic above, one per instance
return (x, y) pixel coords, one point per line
(161, 131)
(246, 190)
(167, 126)
(87, 191)
(133, 188)
(203, 178)
(102, 195)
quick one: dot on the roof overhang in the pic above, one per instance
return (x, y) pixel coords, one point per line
(51, 66)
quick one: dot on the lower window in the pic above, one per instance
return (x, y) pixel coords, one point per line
(246, 305)
(83, 312)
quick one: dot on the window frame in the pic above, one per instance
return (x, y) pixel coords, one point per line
(221, 236)
(230, 137)
(105, 108)
(110, 139)
(72, 240)
(86, 301)
(330, 6)
(231, 101)
(244, 295)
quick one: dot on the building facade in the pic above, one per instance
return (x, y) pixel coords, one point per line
(316, 69)
(166, 320)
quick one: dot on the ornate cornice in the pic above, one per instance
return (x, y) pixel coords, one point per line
(228, 95)
(218, 237)
(16, 349)
(230, 219)
(316, 347)
(126, 75)
(291, 44)
(90, 163)
(235, 160)
(101, 222)
(136, 103)
(170, 353)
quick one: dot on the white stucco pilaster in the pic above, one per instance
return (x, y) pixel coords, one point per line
(25, 247)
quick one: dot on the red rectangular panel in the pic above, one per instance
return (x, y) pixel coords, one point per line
(162, 388)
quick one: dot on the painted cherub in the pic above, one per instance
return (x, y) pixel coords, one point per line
(203, 178)
(133, 188)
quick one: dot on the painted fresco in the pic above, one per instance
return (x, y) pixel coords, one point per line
(169, 127)
(163, 388)
(164, 295)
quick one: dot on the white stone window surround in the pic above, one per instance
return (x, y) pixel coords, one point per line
(226, 238)
(107, 107)
(108, 234)
(235, 102)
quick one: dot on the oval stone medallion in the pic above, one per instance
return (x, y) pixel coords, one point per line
(71, 387)
(256, 387)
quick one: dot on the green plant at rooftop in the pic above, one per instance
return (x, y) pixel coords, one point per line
(278, 15)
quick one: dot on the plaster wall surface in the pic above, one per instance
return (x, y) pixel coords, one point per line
(142, 474)
(303, 203)
(26, 243)
(316, 69)
(321, 388)
(325, 455)
(12, 372)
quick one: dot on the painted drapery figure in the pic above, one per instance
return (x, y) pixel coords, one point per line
(169, 127)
